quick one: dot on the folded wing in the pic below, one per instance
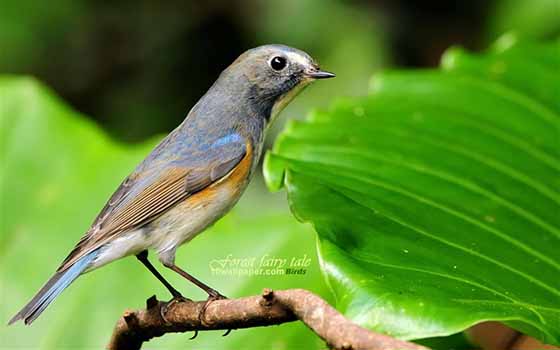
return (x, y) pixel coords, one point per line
(142, 198)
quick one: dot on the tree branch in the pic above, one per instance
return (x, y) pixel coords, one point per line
(270, 308)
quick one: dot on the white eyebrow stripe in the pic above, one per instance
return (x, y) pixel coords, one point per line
(295, 57)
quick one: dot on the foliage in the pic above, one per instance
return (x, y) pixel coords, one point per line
(529, 19)
(436, 197)
(58, 169)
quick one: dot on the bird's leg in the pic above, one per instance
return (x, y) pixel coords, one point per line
(177, 297)
(212, 293)
(143, 257)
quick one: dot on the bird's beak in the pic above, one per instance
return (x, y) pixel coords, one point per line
(319, 74)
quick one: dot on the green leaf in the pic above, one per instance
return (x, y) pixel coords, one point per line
(436, 198)
(58, 169)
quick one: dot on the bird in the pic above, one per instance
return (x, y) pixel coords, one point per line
(193, 177)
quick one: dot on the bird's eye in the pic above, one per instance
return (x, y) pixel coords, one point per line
(278, 63)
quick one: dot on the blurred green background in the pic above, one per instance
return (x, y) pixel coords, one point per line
(130, 71)
(137, 66)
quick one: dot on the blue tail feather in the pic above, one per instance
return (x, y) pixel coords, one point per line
(54, 286)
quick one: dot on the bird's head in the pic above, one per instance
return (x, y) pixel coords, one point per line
(273, 75)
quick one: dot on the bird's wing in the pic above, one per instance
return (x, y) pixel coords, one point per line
(139, 200)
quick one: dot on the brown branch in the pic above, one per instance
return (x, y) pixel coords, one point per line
(270, 308)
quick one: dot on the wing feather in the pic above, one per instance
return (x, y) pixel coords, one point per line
(122, 214)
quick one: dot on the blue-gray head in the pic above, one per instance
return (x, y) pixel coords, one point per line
(268, 77)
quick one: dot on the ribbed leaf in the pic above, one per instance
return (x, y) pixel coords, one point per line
(437, 197)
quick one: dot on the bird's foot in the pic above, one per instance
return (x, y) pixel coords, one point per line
(213, 295)
(177, 298)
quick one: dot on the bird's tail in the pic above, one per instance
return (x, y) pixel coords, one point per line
(54, 286)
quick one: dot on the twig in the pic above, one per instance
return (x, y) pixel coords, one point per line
(270, 308)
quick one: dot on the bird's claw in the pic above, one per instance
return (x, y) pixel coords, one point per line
(213, 295)
(194, 335)
(165, 307)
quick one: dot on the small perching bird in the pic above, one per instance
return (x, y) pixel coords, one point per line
(193, 177)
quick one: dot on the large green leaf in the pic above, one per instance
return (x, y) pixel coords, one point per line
(57, 171)
(436, 198)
